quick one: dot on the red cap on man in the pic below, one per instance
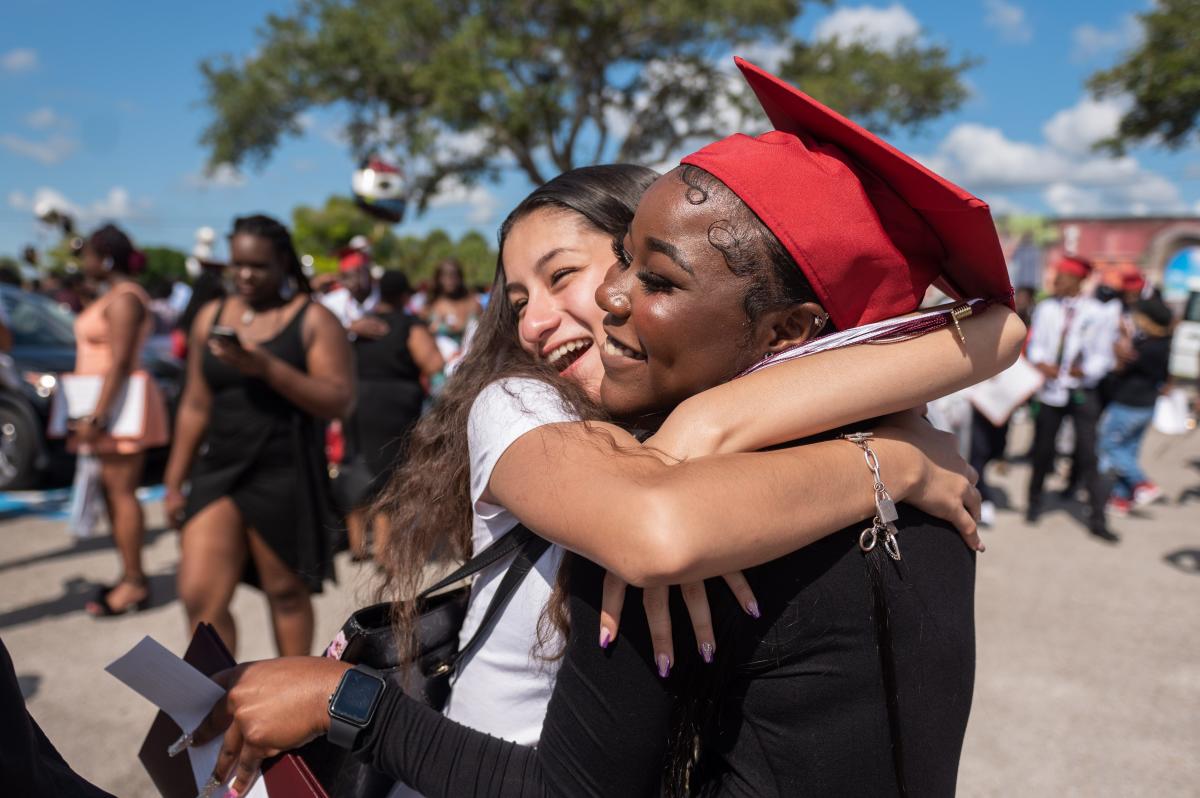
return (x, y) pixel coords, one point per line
(1079, 267)
(870, 227)
(353, 259)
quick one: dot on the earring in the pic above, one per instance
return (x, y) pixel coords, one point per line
(819, 322)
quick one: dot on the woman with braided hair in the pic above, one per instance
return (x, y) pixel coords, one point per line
(265, 367)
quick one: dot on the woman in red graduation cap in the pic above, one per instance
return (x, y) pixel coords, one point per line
(745, 252)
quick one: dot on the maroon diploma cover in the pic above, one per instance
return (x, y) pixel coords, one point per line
(286, 775)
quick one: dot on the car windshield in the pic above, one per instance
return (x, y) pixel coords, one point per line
(37, 321)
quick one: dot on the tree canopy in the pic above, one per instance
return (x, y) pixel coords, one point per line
(462, 88)
(1161, 76)
(321, 232)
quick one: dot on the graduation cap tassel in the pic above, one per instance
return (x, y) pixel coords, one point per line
(881, 332)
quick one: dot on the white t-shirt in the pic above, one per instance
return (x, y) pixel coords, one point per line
(348, 309)
(503, 687)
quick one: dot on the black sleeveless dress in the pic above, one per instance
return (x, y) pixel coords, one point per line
(269, 457)
(389, 398)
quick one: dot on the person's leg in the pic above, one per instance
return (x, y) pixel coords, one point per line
(1117, 457)
(1139, 422)
(1086, 415)
(981, 449)
(211, 560)
(356, 532)
(1045, 429)
(381, 532)
(288, 596)
(120, 475)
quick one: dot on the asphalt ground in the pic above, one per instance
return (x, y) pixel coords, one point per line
(1088, 680)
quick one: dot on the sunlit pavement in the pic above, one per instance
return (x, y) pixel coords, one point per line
(1089, 664)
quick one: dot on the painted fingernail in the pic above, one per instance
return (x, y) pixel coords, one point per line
(752, 608)
(605, 638)
(232, 793)
(176, 748)
(706, 651)
(664, 665)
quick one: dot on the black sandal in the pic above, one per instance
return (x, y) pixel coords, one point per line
(98, 606)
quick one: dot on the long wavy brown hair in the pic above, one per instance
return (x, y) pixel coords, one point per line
(427, 501)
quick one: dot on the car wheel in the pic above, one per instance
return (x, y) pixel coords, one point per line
(18, 450)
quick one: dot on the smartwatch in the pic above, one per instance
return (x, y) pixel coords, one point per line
(353, 704)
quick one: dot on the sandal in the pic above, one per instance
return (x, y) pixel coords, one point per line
(99, 607)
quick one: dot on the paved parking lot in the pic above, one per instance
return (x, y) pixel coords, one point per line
(1089, 654)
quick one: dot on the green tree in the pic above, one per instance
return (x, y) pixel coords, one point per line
(461, 89)
(1161, 76)
(321, 232)
(163, 263)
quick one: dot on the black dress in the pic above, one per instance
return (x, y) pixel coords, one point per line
(796, 704)
(389, 399)
(268, 456)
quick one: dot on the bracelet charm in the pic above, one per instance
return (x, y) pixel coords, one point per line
(886, 515)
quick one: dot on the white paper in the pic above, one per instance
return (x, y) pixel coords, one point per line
(183, 692)
(1000, 396)
(78, 394)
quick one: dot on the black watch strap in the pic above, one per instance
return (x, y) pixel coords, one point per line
(343, 731)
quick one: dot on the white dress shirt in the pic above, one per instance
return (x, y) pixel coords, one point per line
(1090, 332)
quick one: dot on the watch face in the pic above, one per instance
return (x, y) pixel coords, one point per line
(355, 699)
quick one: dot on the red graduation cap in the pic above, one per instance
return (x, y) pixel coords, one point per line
(870, 227)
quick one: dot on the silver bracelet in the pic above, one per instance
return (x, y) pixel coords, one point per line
(884, 522)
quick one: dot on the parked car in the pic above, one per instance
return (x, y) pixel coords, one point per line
(1185, 343)
(43, 348)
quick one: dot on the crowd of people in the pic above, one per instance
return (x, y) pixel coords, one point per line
(1103, 358)
(636, 387)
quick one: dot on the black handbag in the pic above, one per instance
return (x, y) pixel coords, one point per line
(369, 640)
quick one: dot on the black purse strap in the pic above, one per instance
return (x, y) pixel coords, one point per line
(529, 548)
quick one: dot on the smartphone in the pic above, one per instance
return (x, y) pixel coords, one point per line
(226, 334)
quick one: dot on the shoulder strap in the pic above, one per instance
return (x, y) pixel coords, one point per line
(529, 548)
(216, 319)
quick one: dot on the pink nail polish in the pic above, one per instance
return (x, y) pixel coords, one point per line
(752, 608)
(605, 638)
(706, 651)
(664, 665)
(232, 793)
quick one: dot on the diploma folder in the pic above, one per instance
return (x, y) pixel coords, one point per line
(285, 776)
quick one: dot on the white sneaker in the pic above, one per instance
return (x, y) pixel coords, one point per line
(1147, 493)
(987, 513)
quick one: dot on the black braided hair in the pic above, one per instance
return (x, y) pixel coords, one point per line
(112, 243)
(281, 241)
(747, 244)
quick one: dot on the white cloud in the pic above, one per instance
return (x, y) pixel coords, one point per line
(43, 118)
(872, 26)
(983, 157)
(21, 59)
(224, 175)
(117, 204)
(1009, 20)
(49, 151)
(1090, 42)
(480, 203)
(1077, 128)
(1072, 179)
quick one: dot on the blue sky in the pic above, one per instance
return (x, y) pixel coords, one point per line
(101, 113)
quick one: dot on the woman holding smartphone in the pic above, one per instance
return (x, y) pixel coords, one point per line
(266, 366)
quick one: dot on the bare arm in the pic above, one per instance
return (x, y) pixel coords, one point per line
(594, 490)
(424, 351)
(124, 315)
(832, 389)
(194, 406)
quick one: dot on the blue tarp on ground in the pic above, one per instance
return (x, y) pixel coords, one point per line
(54, 503)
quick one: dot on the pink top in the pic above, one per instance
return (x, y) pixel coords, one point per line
(94, 355)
